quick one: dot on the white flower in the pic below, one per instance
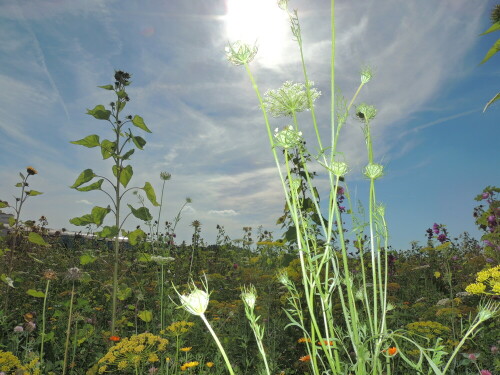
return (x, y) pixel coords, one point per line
(290, 98)
(196, 302)
(339, 168)
(249, 296)
(288, 137)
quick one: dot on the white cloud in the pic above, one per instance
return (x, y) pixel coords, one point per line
(223, 212)
(84, 201)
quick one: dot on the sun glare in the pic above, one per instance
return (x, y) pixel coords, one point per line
(260, 21)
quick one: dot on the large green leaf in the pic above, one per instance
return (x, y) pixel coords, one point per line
(494, 27)
(89, 141)
(99, 213)
(107, 148)
(32, 193)
(492, 51)
(139, 142)
(82, 220)
(83, 178)
(107, 87)
(94, 186)
(87, 258)
(108, 232)
(145, 315)
(35, 293)
(126, 175)
(139, 122)
(150, 193)
(99, 112)
(36, 239)
(141, 213)
(135, 235)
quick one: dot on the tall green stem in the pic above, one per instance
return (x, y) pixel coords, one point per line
(219, 345)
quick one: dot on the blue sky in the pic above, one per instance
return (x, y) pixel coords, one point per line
(438, 147)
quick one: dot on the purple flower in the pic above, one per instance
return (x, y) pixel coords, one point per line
(442, 238)
(473, 357)
(435, 228)
(485, 372)
(341, 208)
(485, 195)
(491, 219)
(488, 243)
(340, 190)
(489, 260)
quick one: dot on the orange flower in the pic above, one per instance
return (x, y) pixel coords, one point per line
(392, 350)
(303, 339)
(326, 343)
(114, 338)
(305, 358)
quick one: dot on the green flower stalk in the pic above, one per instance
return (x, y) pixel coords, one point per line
(249, 297)
(74, 274)
(196, 303)
(48, 275)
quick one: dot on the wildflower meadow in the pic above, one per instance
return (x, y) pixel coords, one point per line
(326, 295)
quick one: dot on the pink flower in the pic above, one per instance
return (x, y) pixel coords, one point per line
(485, 372)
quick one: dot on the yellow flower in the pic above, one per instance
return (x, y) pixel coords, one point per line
(210, 364)
(437, 274)
(186, 349)
(153, 357)
(122, 364)
(476, 288)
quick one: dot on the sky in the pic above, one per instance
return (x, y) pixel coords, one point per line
(438, 147)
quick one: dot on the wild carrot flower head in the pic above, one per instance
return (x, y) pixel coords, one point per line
(290, 98)
(165, 176)
(196, 301)
(249, 296)
(366, 112)
(31, 171)
(288, 137)
(374, 171)
(74, 274)
(366, 75)
(49, 275)
(239, 53)
(339, 169)
(161, 260)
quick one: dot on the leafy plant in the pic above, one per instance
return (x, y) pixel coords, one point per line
(122, 172)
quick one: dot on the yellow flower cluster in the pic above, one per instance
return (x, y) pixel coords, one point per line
(9, 363)
(428, 329)
(487, 282)
(133, 352)
(187, 365)
(179, 328)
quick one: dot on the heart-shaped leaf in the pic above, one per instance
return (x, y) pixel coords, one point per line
(94, 186)
(139, 122)
(99, 112)
(89, 141)
(83, 178)
(150, 193)
(141, 213)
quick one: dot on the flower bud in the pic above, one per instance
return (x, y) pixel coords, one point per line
(249, 296)
(366, 112)
(288, 137)
(366, 75)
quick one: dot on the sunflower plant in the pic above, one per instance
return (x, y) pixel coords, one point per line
(119, 149)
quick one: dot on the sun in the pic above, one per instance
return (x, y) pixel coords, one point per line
(260, 21)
